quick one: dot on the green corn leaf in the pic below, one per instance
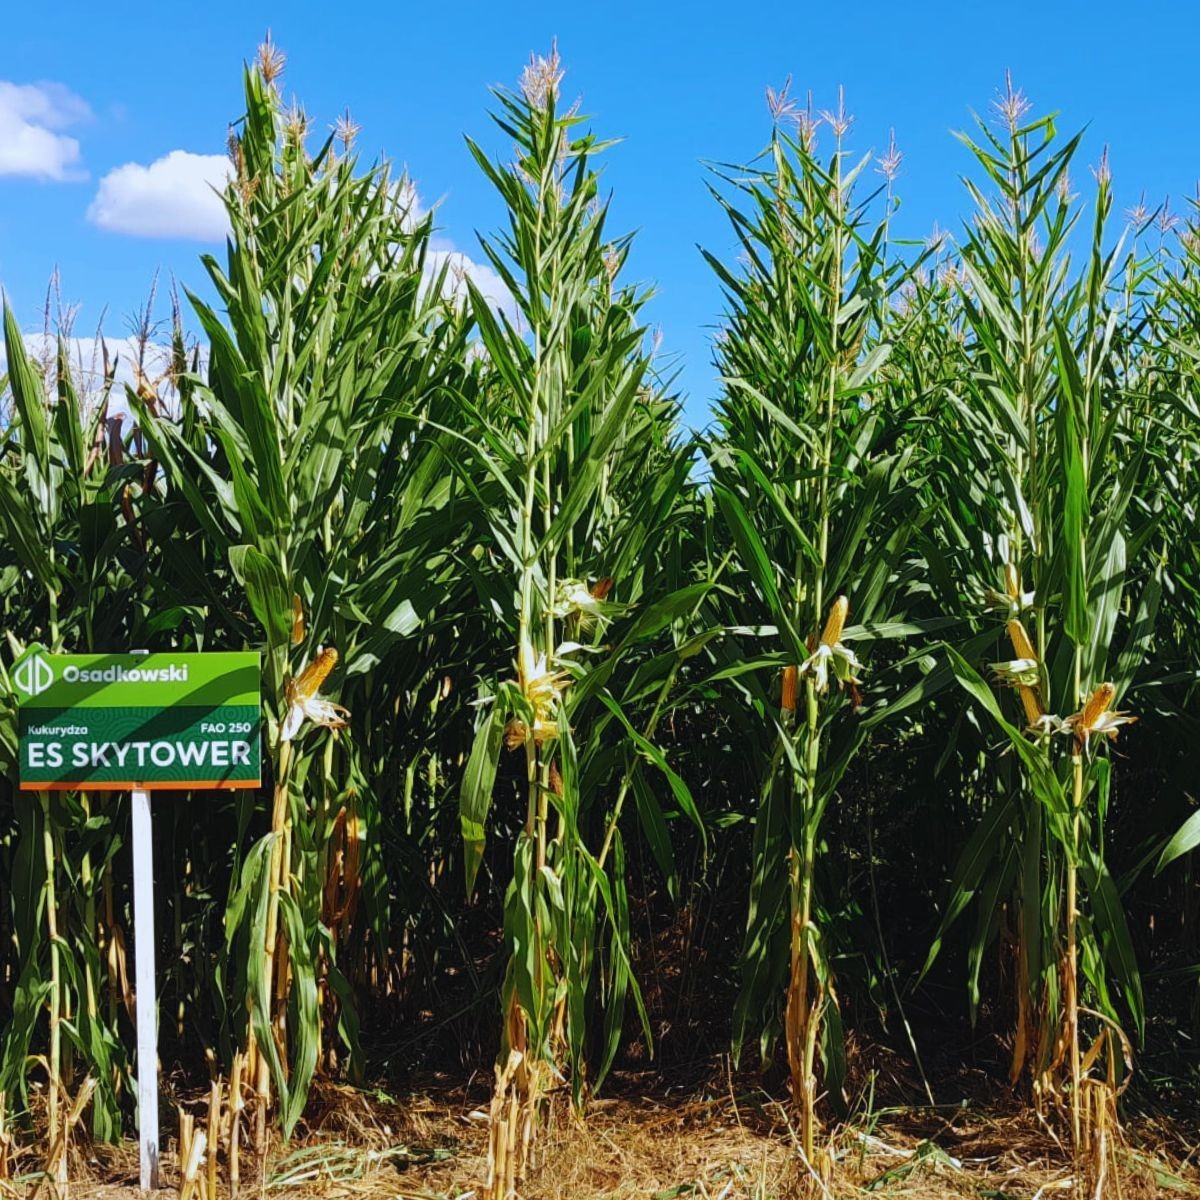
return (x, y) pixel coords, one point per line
(268, 593)
(1069, 422)
(306, 1023)
(1048, 786)
(1185, 839)
(30, 401)
(1108, 920)
(478, 783)
(983, 848)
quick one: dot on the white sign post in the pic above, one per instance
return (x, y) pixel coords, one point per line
(146, 986)
(147, 998)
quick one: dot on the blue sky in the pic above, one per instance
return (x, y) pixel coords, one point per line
(681, 83)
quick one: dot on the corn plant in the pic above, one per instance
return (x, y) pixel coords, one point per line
(575, 424)
(1044, 434)
(1166, 362)
(819, 501)
(295, 461)
(1167, 304)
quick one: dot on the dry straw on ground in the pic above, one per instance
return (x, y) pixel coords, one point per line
(725, 1142)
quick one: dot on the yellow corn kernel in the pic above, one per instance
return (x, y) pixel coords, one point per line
(297, 620)
(1012, 582)
(308, 682)
(788, 696)
(836, 622)
(1097, 705)
(1022, 646)
(1034, 711)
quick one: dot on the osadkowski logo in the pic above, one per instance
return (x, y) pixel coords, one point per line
(34, 675)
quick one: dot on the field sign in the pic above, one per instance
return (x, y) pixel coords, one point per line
(119, 722)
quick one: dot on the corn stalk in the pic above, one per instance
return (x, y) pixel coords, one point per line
(820, 505)
(295, 458)
(561, 474)
(1042, 419)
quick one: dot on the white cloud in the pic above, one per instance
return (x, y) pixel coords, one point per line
(85, 356)
(32, 116)
(176, 196)
(460, 268)
(443, 254)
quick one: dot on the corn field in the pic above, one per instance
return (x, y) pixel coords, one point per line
(866, 714)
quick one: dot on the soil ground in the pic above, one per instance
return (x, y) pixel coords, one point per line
(722, 1141)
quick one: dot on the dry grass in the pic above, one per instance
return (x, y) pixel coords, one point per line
(723, 1142)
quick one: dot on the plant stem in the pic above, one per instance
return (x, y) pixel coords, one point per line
(276, 876)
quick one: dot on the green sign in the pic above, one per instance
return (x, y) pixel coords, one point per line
(116, 722)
